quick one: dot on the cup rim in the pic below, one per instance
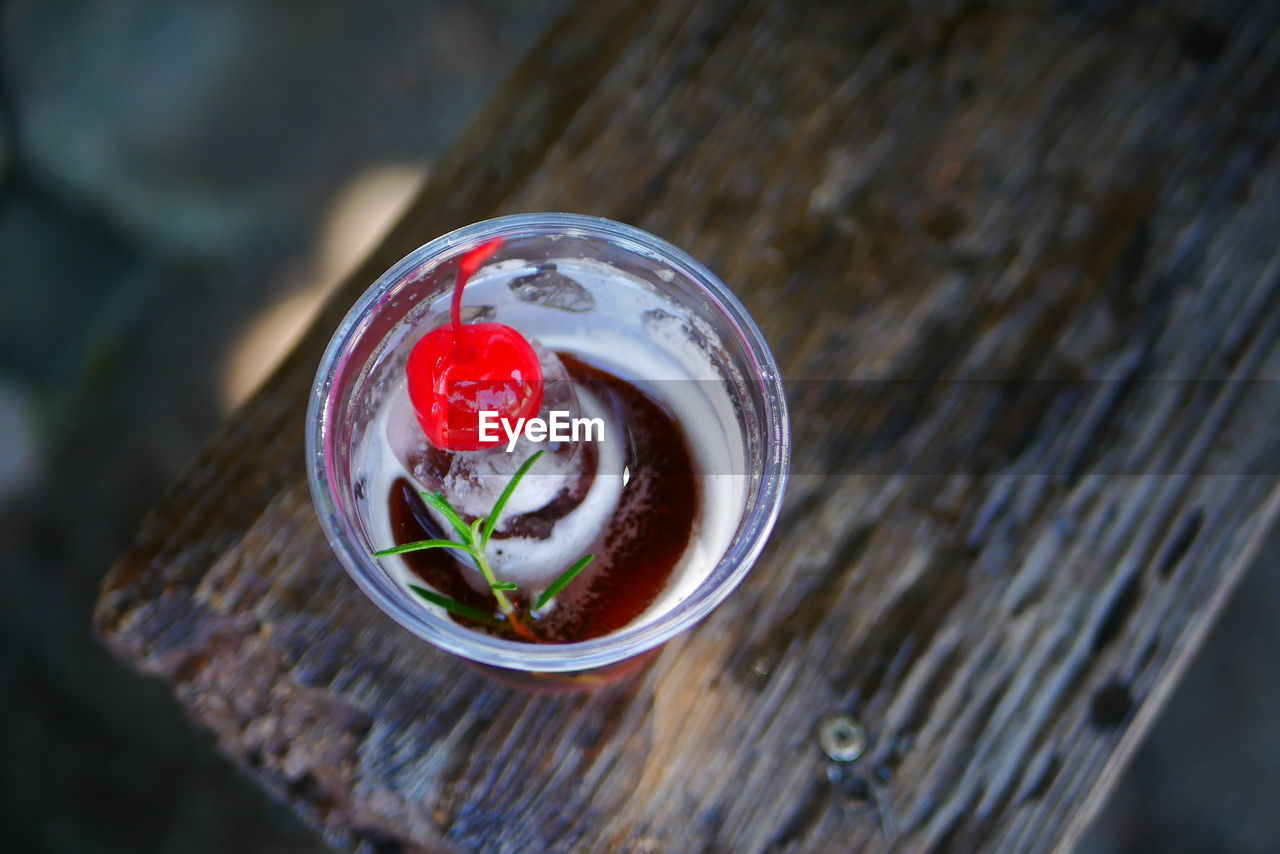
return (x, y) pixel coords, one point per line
(740, 554)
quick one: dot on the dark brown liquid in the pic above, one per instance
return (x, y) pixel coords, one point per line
(636, 551)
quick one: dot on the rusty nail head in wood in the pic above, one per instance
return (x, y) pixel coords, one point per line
(842, 737)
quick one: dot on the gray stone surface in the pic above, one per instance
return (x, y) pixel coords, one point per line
(172, 168)
(213, 126)
(1208, 778)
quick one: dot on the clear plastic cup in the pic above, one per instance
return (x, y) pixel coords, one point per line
(693, 303)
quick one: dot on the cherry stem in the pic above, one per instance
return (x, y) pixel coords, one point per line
(468, 264)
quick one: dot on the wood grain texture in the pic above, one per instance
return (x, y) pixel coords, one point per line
(1020, 265)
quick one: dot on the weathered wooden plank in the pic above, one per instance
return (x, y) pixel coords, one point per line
(1019, 264)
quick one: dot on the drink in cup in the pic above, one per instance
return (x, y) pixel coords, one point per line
(548, 443)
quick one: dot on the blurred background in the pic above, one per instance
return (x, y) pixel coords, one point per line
(180, 185)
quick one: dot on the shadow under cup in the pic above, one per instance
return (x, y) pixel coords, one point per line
(636, 291)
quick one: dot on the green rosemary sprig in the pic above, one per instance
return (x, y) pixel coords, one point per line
(491, 521)
(461, 609)
(473, 539)
(563, 581)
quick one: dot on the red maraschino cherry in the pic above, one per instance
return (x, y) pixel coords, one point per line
(461, 369)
